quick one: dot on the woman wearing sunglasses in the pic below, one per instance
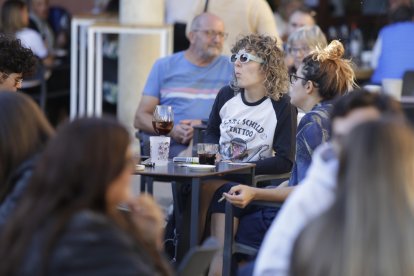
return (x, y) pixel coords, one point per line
(252, 120)
(322, 76)
(252, 117)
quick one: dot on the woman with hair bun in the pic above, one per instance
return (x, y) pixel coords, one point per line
(322, 76)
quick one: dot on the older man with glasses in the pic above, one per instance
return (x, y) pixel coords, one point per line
(188, 81)
(16, 62)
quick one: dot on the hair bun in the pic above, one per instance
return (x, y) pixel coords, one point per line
(334, 51)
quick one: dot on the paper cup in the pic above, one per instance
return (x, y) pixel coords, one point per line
(160, 148)
(392, 87)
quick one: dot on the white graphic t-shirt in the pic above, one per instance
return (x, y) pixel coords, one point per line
(262, 132)
(247, 131)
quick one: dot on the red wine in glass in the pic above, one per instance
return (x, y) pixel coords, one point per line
(163, 119)
(162, 128)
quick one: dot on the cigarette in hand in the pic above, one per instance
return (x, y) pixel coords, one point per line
(221, 199)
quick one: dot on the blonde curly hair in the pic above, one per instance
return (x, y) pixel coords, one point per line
(276, 73)
(329, 71)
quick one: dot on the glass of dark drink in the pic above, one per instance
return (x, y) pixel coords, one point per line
(207, 153)
(163, 119)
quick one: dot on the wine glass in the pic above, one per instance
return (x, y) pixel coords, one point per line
(163, 119)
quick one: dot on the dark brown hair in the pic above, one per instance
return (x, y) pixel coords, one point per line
(11, 18)
(73, 174)
(24, 131)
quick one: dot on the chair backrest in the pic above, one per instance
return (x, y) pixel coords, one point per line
(198, 259)
(408, 83)
(38, 80)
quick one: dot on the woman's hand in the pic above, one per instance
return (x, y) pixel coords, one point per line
(148, 218)
(240, 195)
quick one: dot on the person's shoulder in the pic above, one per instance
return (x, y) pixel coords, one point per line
(226, 92)
(222, 61)
(89, 229)
(282, 103)
(28, 34)
(223, 58)
(170, 59)
(89, 240)
(392, 28)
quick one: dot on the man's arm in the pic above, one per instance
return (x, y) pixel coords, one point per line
(143, 116)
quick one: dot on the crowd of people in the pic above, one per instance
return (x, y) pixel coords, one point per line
(347, 209)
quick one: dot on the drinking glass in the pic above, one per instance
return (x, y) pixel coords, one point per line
(163, 119)
(207, 153)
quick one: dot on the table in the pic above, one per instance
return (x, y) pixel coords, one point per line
(182, 175)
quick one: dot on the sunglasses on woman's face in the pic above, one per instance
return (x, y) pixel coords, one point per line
(245, 58)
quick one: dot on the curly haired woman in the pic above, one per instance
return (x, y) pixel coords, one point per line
(321, 77)
(252, 119)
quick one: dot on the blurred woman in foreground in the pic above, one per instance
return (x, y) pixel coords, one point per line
(69, 222)
(369, 229)
(24, 132)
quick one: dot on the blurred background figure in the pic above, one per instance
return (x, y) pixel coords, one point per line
(283, 11)
(24, 132)
(39, 21)
(393, 4)
(301, 43)
(368, 230)
(302, 16)
(299, 18)
(241, 17)
(52, 70)
(392, 53)
(77, 225)
(16, 63)
(15, 22)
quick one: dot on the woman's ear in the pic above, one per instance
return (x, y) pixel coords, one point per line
(309, 87)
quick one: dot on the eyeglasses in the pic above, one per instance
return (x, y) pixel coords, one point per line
(293, 78)
(212, 34)
(245, 58)
(17, 81)
(298, 50)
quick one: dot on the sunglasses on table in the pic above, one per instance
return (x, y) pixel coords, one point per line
(245, 58)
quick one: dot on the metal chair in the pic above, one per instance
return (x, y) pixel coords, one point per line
(38, 80)
(198, 259)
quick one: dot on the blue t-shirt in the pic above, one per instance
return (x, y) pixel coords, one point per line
(313, 130)
(188, 88)
(396, 52)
